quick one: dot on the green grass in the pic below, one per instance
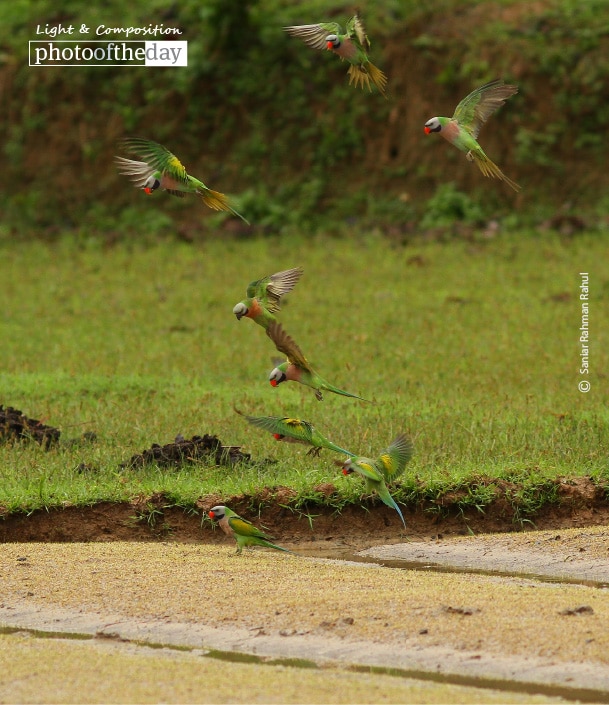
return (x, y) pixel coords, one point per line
(470, 347)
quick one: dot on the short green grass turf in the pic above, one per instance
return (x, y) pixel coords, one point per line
(472, 348)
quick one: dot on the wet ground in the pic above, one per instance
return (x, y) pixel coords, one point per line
(510, 618)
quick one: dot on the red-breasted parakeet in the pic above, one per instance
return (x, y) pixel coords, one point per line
(243, 531)
(352, 45)
(264, 296)
(386, 468)
(162, 169)
(463, 127)
(288, 429)
(297, 368)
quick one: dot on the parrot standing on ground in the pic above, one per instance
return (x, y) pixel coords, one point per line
(243, 531)
(295, 430)
(463, 127)
(162, 169)
(352, 45)
(389, 465)
(264, 296)
(298, 368)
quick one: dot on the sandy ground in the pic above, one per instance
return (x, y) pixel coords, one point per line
(483, 636)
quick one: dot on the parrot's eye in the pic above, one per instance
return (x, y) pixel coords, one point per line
(240, 310)
(276, 376)
(152, 183)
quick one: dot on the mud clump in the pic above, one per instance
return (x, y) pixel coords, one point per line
(16, 426)
(183, 451)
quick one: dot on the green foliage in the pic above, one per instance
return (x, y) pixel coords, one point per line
(449, 206)
(262, 116)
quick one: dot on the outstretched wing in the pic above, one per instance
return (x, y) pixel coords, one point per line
(314, 35)
(355, 28)
(270, 289)
(284, 426)
(157, 157)
(475, 109)
(139, 172)
(392, 461)
(245, 528)
(287, 345)
(365, 467)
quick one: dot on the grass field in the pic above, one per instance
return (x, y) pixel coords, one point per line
(470, 347)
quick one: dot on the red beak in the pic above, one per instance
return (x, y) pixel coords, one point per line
(277, 436)
(345, 471)
(273, 382)
(148, 190)
(427, 130)
(330, 46)
(211, 515)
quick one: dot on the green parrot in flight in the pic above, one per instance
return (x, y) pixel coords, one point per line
(264, 296)
(162, 169)
(386, 468)
(463, 127)
(297, 368)
(295, 431)
(243, 531)
(352, 45)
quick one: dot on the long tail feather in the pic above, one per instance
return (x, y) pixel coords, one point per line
(490, 169)
(361, 75)
(338, 449)
(219, 202)
(390, 502)
(342, 392)
(263, 542)
(378, 78)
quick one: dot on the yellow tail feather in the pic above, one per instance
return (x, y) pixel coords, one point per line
(219, 202)
(361, 74)
(215, 200)
(490, 169)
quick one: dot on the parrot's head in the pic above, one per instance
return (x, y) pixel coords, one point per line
(151, 184)
(433, 125)
(332, 42)
(240, 310)
(277, 376)
(347, 466)
(217, 512)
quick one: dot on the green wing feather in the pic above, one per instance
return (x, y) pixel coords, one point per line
(285, 426)
(158, 157)
(269, 290)
(356, 30)
(245, 528)
(392, 461)
(475, 109)
(367, 469)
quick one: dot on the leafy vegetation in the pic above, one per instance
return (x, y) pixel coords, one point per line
(472, 348)
(259, 115)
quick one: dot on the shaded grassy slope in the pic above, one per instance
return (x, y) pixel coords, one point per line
(261, 116)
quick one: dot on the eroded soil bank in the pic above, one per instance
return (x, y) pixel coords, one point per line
(145, 518)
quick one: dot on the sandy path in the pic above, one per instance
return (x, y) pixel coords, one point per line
(330, 612)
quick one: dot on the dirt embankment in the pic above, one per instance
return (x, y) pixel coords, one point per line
(145, 518)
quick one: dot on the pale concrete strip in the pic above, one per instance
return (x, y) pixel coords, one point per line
(573, 554)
